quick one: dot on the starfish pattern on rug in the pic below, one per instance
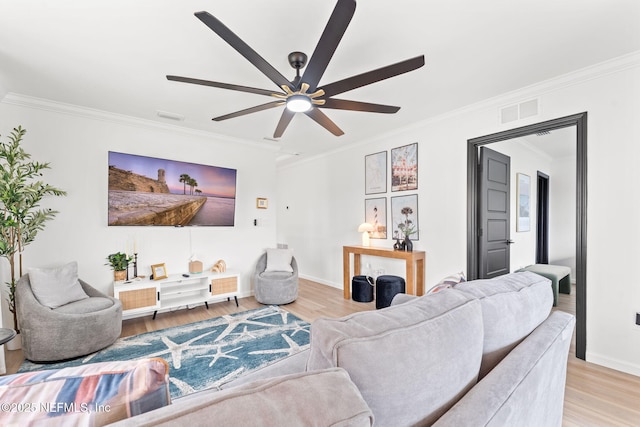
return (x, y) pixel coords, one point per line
(211, 352)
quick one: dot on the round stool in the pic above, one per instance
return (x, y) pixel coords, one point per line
(386, 288)
(362, 288)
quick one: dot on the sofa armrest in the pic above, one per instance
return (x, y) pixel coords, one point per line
(526, 387)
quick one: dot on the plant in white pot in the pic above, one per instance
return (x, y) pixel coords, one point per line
(21, 218)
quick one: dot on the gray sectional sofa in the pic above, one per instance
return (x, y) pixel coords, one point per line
(486, 353)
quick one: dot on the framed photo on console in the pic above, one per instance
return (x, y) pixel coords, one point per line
(159, 271)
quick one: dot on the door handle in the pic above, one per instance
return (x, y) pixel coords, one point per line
(509, 242)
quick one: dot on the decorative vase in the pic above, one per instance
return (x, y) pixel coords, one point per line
(15, 343)
(119, 275)
(397, 245)
(408, 244)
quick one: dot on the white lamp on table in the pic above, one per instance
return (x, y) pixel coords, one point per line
(365, 228)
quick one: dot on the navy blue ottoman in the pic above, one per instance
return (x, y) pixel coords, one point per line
(386, 288)
(362, 288)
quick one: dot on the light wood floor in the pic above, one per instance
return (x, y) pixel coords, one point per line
(594, 396)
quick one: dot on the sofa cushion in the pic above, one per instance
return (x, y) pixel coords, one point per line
(411, 361)
(513, 305)
(321, 398)
(58, 286)
(279, 260)
(87, 305)
(93, 394)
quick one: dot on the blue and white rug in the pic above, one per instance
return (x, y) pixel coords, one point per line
(208, 353)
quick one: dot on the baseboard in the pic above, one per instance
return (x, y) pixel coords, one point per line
(321, 281)
(618, 365)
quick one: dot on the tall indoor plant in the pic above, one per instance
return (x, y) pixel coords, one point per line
(21, 217)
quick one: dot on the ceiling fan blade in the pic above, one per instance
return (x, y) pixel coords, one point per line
(343, 104)
(221, 85)
(373, 76)
(324, 121)
(238, 44)
(250, 110)
(285, 119)
(333, 32)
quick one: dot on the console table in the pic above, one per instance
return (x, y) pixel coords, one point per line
(143, 296)
(414, 266)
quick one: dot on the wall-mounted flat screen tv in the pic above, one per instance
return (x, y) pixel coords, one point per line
(150, 191)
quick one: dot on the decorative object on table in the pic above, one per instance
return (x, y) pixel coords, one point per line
(404, 212)
(276, 277)
(21, 190)
(159, 271)
(262, 203)
(119, 262)
(375, 173)
(404, 168)
(211, 352)
(139, 192)
(219, 267)
(365, 228)
(362, 288)
(523, 208)
(375, 213)
(195, 266)
(135, 265)
(398, 244)
(63, 317)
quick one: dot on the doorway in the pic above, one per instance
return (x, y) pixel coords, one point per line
(542, 216)
(473, 146)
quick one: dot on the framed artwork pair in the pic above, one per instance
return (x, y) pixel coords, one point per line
(404, 170)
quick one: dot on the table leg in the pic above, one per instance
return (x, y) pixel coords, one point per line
(420, 277)
(346, 274)
(411, 290)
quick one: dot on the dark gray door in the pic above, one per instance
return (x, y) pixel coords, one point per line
(493, 206)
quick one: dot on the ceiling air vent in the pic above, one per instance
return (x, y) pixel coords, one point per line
(519, 111)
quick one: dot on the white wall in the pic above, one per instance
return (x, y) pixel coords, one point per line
(562, 218)
(76, 143)
(529, 162)
(326, 196)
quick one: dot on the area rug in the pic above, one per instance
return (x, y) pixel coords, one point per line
(208, 353)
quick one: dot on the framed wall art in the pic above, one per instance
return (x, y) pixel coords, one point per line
(404, 168)
(375, 173)
(523, 207)
(262, 203)
(404, 217)
(375, 213)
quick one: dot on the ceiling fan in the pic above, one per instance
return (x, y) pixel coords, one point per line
(303, 94)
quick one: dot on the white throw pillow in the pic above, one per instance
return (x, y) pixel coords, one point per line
(54, 287)
(279, 260)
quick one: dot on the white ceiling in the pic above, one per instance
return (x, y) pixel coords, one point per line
(113, 55)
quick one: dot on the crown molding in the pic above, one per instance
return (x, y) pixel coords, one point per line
(20, 100)
(582, 75)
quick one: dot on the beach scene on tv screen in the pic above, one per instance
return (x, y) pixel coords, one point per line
(151, 191)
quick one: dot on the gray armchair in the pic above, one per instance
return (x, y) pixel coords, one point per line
(275, 287)
(69, 331)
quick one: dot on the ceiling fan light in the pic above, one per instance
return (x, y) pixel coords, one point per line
(298, 103)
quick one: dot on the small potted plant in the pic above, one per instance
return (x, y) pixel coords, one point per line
(119, 262)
